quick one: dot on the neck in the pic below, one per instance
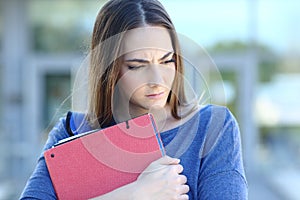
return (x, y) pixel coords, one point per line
(161, 115)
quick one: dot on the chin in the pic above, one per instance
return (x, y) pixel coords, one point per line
(156, 106)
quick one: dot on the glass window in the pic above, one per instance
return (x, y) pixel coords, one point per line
(56, 97)
(2, 141)
(1, 27)
(2, 160)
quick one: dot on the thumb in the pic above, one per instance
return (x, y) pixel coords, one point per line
(161, 164)
(167, 160)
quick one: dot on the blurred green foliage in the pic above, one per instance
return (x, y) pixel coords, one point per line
(268, 61)
(231, 77)
(62, 26)
(51, 39)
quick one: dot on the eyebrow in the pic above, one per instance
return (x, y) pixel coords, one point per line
(146, 61)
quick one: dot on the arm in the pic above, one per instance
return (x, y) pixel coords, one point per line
(222, 174)
(160, 180)
(39, 185)
(122, 193)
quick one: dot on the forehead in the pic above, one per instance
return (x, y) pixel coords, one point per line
(146, 39)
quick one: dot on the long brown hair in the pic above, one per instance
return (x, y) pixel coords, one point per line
(115, 17)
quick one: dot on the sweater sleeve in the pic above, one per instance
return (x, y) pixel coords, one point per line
(222, 174)
(39, 185)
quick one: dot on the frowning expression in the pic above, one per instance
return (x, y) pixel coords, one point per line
(148, 68)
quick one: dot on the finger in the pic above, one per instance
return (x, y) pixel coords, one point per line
(183, 197)
(182, 189)
(177, 168)
(181, 179)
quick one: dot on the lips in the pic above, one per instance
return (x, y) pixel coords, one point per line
(155, 95)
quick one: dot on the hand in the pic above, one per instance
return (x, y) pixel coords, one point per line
(162, 180)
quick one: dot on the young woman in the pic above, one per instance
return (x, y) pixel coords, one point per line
(136, 67)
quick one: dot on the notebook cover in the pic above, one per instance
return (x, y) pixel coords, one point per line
(104, 160)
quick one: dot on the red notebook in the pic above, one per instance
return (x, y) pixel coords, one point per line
(94, 163)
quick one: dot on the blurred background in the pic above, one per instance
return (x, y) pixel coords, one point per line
(255, 44)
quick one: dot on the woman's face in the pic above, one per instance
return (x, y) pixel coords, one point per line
(148, 69)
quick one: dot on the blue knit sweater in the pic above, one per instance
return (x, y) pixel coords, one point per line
(208, 146)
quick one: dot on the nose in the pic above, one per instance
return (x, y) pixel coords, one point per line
(155, 76)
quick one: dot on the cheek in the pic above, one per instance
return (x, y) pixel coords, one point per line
(128, 84)
(170, 76)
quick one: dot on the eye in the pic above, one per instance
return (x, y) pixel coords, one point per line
(169, 61)
(130, 67)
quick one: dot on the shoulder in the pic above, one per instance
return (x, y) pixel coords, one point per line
(215, 126)
(210, 115)
(77, 123)
(216, 112)
(216, 118)
(60, 131)
(221, 128)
